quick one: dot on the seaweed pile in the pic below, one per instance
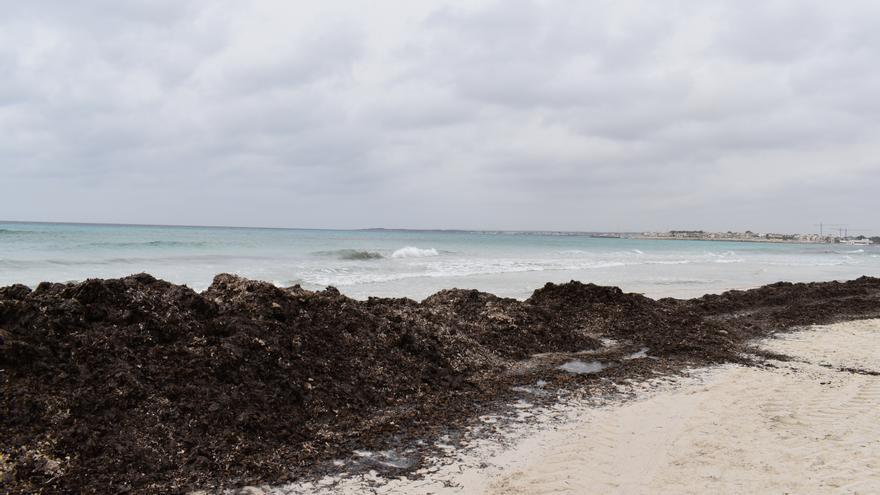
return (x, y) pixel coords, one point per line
(137, 385)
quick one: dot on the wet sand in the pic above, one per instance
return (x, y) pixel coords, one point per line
(803, 426)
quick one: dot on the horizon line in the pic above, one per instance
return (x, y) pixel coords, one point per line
(373, 229)
(336, 229)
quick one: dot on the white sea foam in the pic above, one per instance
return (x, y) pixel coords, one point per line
(347, 277)
(725, 257)
(682, 281)
(414, 252)
(439, 268)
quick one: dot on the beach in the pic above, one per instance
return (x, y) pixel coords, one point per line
(143, 386)
(802, 426)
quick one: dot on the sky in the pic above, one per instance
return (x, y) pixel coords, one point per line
(542, 115)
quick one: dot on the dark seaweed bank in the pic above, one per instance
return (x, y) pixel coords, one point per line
(137, 385)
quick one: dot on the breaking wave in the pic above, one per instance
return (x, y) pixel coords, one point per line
(414, 252)
(351, 254)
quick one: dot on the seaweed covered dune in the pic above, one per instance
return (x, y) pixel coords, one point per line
(138, 385)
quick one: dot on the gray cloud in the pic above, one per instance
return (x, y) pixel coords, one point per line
(526, 114)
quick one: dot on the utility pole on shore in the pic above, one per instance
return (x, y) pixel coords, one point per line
(842, 228)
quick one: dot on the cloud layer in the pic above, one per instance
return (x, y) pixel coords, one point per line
(581, 115)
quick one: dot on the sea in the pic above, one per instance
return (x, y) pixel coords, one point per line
(415, 264)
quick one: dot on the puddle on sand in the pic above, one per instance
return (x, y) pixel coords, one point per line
(579, 367)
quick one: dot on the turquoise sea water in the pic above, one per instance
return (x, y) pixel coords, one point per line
(414, 264)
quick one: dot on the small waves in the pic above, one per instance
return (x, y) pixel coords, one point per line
(811, 263)
(349, 275)
(148, 244)
(341, 276)
(351, 254)
(414, 252)
(27, 264)
(14, 232)
(683, 281)
(725, 257)
(366, 255)
(137, 263)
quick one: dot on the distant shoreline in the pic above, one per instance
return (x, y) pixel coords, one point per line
(730, 239)
(749, 236)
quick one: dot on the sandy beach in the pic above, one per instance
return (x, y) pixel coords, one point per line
(801, 426)
(578, 389)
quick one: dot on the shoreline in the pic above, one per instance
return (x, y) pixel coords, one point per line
(762, 241)
(247, 382)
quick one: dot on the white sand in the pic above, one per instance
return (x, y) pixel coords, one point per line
(801, 428)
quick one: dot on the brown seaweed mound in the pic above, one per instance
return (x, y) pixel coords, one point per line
(139, 385)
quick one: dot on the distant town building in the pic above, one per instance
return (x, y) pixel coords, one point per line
(747, 236)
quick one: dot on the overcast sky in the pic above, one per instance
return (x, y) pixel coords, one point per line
(580, 115)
